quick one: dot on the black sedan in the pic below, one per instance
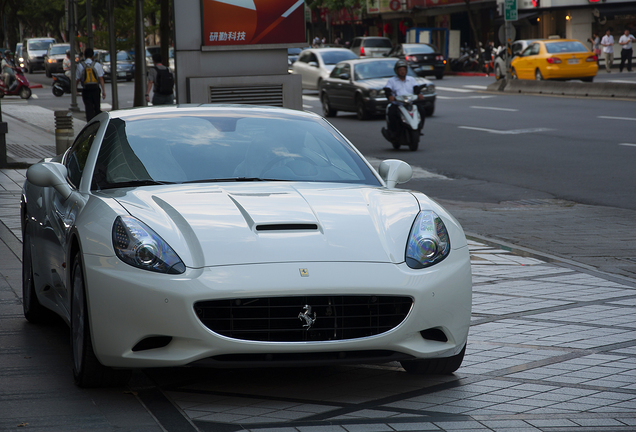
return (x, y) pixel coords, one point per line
(54, 58)
(356, 85)
(423, 58)
(125, 65)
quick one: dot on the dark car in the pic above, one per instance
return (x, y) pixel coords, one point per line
(54, 58)
(356, 85)
(125, 65)
(423, 58)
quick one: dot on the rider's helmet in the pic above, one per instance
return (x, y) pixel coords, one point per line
(7, 54)
(400, 63)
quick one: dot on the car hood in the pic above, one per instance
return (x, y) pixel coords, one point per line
(212, 225)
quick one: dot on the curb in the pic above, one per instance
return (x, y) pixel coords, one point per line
(569, 88)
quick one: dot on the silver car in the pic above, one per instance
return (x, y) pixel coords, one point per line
(317, 63)
(371, 46)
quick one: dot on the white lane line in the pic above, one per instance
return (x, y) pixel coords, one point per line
(496, 109)
(451, 89)
(34, 96)
(477, 87)
(623, 81)
(466, 97)
(509, 132)
(628, 144)
(307, 106)
(617, 118)
(314, 98)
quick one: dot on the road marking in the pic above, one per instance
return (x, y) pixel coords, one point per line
(617, 118)
(466, 97)
(307, 106)
(451, 89)
(623, 81)
(509, 132)
(314, 98)
(496, 109)
(34, 96)
(477, 87)
(628, 144)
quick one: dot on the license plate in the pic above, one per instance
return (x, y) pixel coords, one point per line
(573, 61)
(427, 67)
(121, 74)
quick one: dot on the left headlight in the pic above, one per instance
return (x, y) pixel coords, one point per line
(429, 89)
(139, 246)
(428, 242)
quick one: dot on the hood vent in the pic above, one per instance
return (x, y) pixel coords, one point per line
(287, 227)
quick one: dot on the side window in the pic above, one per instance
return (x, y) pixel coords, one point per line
(535, 49)
(335, 73)
(303, 57)
(346, 70)
(312, 58)
(75, 159)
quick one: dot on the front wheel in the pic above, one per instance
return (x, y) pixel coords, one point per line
(327, 110)
(57, 91)
(439, 76)
(435, 366)
(87, 370)
(429, 111)
(361, 109)
(25, 92)
(413, 137)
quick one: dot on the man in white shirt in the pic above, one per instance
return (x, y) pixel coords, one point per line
(608, 49)
(401, 84)
(91, 81)
(627, 51)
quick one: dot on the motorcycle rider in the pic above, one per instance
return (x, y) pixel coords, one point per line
(399, 85)
(66, 64)
(8, 70)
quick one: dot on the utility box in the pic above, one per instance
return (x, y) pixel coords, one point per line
(235, 51)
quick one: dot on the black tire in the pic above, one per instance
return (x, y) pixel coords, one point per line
(537, 75)
(498, 74)
(48, 73)
(361, 109)
(87, 370)
(513, 73)
(588, 79)
(436, 366)
(25, 92)
(33, 311)
(327, 110)
(439, 76)
(57, 91)
(430, 111)
(414, 139)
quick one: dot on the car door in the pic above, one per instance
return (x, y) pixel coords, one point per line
(348, 88)
(63, 212)
(525, 61)
(301, 65)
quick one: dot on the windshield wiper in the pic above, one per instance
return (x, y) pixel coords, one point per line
(133, 183)
(233, 179)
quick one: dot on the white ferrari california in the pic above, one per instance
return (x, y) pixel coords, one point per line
(232, 236)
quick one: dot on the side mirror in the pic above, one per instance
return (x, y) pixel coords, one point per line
(313, 64)
(50, 174)
(395, 171)
(344, 76)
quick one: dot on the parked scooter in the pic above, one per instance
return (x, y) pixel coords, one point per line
(408, 133)
(19, 87)
(62, 84)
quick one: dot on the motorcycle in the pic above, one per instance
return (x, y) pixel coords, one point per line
(408, 133)
(61, 85)
(19, 87)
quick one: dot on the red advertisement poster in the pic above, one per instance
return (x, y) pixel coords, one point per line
(253, 22)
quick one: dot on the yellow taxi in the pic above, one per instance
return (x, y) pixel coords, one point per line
(555, 59)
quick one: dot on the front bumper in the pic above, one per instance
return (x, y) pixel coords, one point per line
(128, 305)
(428, 70)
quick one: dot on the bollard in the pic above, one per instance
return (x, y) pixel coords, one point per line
(63, 131)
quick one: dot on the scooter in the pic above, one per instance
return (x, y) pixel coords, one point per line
(61, 85)
(409, 131)
(19, 87)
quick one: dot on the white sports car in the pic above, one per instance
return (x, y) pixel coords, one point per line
(231, 236)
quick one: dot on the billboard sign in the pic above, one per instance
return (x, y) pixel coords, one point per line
(253, 22)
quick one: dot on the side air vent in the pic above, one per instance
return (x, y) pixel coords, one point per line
(271, 95)
(287, 227)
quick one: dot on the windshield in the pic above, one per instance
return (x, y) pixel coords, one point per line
(121, 55)
(59, 49)
(333, 57)
(377, 69)
(565, 47)
(225, 146)
(40, 45)
(377, 43)
(419, 49)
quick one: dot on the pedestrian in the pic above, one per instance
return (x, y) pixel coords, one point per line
(595, 40)
(626, 53)
(66, 64)
(608, 49)
(161, 81)
(91, 75)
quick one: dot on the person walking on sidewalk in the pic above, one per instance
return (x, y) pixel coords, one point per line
(161, 81)
(627, 52)
(91, 75)
(608, 49)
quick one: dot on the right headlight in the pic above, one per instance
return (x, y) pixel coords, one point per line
(428, 242)
(139, 246)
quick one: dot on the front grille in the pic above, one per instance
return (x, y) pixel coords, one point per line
(279, 319)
